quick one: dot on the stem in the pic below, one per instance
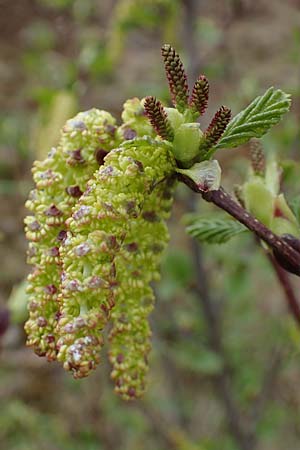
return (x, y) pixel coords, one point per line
(224, 201)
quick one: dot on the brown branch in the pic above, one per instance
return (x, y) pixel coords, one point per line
(243, 432)
(289, 255)
(224, 201)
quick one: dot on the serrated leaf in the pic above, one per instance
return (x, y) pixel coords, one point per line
(263, 113)
(214, 230)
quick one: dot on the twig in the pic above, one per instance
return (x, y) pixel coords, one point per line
(224, 201)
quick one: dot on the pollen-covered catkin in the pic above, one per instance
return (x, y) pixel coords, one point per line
(60, 180)
(137, 265)
(135, 122)
(106, 216)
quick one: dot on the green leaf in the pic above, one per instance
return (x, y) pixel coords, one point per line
(214, 230)
(263, 113)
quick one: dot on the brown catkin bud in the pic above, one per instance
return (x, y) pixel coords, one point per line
(176, 77)
(158, 118)
(200, 94)
(216, 128)
(257, 157)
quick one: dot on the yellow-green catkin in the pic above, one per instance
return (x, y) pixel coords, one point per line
(135, 122)
(60, 180)
(102, 226)
(137, 265)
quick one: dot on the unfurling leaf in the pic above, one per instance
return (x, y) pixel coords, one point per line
(204, 176)
(263, 113)
(214, 230)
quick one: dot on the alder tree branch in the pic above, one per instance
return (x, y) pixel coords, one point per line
(224, 201)
(289, 255)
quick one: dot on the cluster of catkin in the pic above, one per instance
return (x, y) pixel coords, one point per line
(98, 226)
(97, 231)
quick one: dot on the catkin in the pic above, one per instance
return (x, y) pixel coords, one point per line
(95, 277)
(60, 180)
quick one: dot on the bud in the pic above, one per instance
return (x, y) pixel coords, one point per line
(284, 220)
(175, 117)
(259, 201)
(262, 199)
(186, 143)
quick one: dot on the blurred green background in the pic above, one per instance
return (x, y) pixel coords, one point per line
(225, 364)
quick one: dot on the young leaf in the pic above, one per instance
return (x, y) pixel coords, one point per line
(204, 176)
(254, 121)
(214, 230)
